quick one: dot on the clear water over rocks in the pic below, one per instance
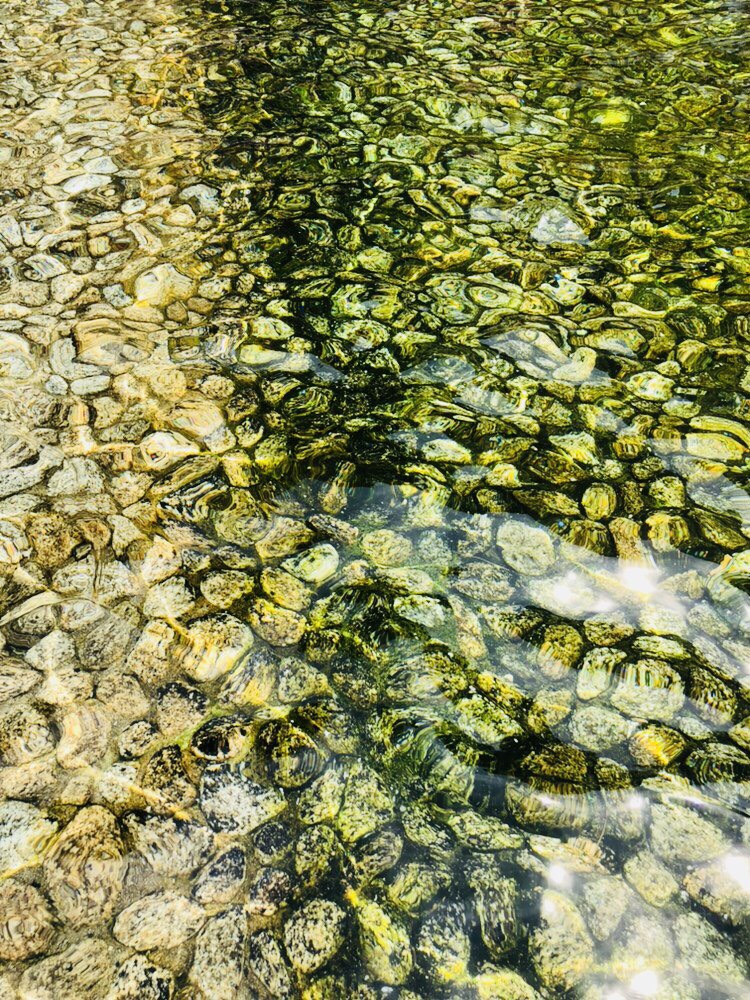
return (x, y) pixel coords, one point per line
(375, 535)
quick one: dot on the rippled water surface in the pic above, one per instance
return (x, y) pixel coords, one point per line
(376, 537)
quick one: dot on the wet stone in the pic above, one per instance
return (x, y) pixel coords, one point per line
(681, 834)
(161, 920)
(137, 738)
(139, 979)
(317, 852)
(719, 889)
(85, 870)
(273, 841)
(85, 734)
(386, 948)
(604, 902)
(218, 962)
(598, 728)
(233, 803)
(314, 934)
(85, 968)
(24, 834)
(442, 944)
(268, 892)
(25, 734)
(166, 782)
(526, 549)
(562, 949)
(705, 951)
(277, 625)
(653, 880)
(645, 942)
(268, 964)
(26, 921)
(221, 880)
(179, 708)
(171, 846)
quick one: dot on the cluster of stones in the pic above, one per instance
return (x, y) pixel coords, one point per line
(322, 742)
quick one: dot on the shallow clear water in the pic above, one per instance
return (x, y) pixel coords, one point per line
(401, 646)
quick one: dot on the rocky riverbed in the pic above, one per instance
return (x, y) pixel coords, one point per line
(374, 416)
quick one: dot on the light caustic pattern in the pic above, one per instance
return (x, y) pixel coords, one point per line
(373, 502)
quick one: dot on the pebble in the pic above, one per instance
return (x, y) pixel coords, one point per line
(139, 979)
(162, 285)
(66, 287)
(86, 968)
(24, 834)
(653, 880)
(679, 833)
(314, 934)
(171, 847)
(268, 964)
(221, 880)
(525, 549)
(26, 921)
(85, 869)
(219, 959)
(562, 953)
(164, 919)
(233, 803)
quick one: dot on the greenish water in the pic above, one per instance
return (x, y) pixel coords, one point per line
(374, 517)
(491, 370)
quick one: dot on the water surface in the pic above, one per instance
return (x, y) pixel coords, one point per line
(389, 588)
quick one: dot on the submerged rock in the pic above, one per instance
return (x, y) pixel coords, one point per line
(86, 968)
(139, 979)
(163, 919)
(233, 803)
(313, 934)
(219, 960)
(562, 950)
(85, 869)
(26, 921)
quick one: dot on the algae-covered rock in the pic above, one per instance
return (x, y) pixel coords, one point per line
(313, 934)
(562, 950)
(384, 940)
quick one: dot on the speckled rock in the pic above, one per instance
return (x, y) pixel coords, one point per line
(604, 902)
(721, 887)
(85, 869)
(26, 921)
(653, 880)
(386, 948)
(233, 803)
(442, 945)
(221, 880)
(313, 934)
(139, 979)
(707, 953)
(219, 961)
(679, 833)
(161, 920)
(268, 965)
